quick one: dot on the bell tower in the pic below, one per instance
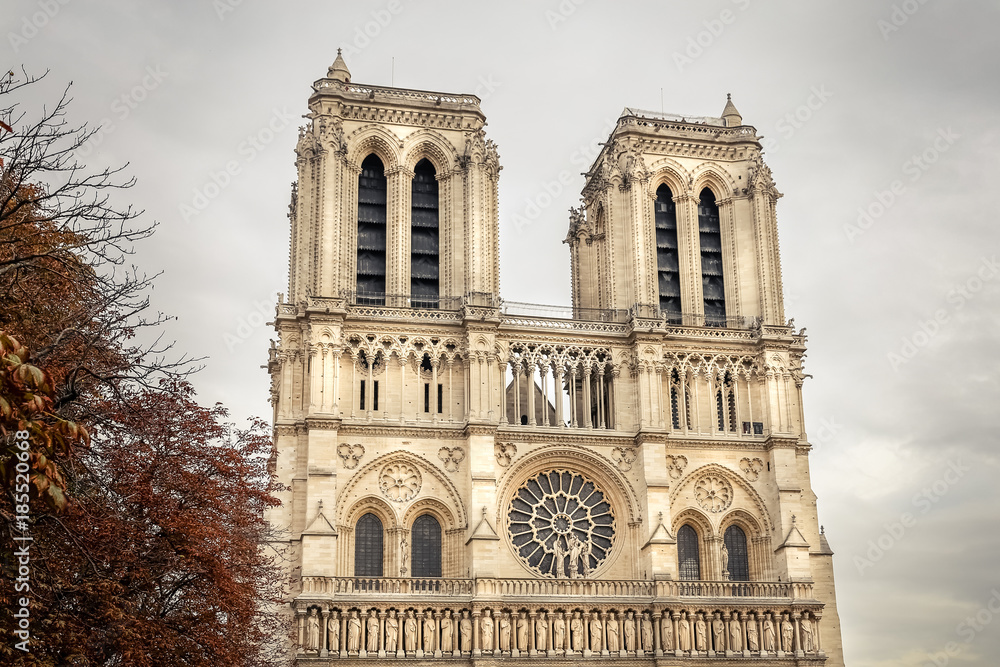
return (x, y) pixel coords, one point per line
(678, 220)
(396, 197)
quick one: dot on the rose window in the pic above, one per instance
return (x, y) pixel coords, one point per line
(714, 493)
(561, 524)
(399, 481)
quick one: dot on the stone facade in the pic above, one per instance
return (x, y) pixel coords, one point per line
(469, 478)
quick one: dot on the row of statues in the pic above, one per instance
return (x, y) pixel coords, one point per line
(513, 633)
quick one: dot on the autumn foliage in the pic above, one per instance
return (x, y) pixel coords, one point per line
(149, 542)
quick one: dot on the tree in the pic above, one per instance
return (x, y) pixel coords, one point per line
(147, 548)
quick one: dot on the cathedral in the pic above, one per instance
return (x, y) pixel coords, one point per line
(473, 479)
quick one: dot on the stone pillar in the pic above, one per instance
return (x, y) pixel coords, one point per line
(531, 394)
(476, 650)
(432, 394)
(796, 618)
(300, 616)
(532, 649)
(323, 652)
(657, 640)
(560, 422)
(586, 397)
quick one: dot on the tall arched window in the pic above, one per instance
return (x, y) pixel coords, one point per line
(667, 266)
(712, 283)
(424, 242)
(426, 535)
(736, 543)
(371, 232)
(368, 547)
(687, 553)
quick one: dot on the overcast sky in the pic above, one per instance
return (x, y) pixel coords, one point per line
(878, 106)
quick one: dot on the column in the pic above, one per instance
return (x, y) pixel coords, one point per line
(401, 359)
(475, 633)
(676, 616)
(369, 390)
(615, 375)
(300, 614)
(641, 391)
(434, 387)
(381, 634)
(354, 383)
(532, 649)
(323, 652)
(516, 371)
(604, 632)
(558, 372)
(586, 397)
(657, 641)
(750, 404)
(573, 410)
(682, 390)
(600, 398)
(451, 362)
(796, 618)
(697, 402)
(315, 377)
(659, 393)
(489, 387)
(337, 353)
(531, 393)
(437, 634)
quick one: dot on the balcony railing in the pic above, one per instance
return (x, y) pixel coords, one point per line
(587, 588)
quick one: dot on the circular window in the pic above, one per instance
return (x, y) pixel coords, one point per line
(560, 524)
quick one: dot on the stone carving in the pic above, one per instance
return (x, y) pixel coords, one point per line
(676, 465)
(391, 632)
(451, 457)
(752, 643)
(353, 633)
(410, 632)
(372, 645)
(333, 630)
(399, 482)
(312, 638)
(684, 634)
(428, 633)
(713, 492)
(725, 561)
(522, 632)
(769, 638)
(558, 633)
(596, 633)
(541, 628)
(751, 468)
(486, 627)
(505, 632)
(404, 554)
(624, 457)
(505, 453)
(576, 632)
(735, 634)
(612, 632)
(447, 632)
(560, 513)
(807, 635)
(667, 633)
(466, 628)
(350, 455)
(630, 633)
(719, 633)
(701, 634)
(647, 633)
(787, 633)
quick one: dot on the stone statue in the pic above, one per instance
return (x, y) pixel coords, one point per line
(752, 642)
(466, 628)
(667, 632)
(701, 634)
(576, 631)
(333, 630)
(684, 634)
(575, 551)
(612, 632)
(596, 634)
(735, 634)
(558, 633)
(410, 637)
(313, 631)
(487, 630)
(807, 635)
(560, 558)
(769, 638)
(522, 632)
(372, 646)
(403, 555)
(719, 633)
(725, 561)
(447, 632)
(429, 633)
(505, 632)
(353, 633)
(647, 633)
(630, 633)
(541, 632)
(391, 632)
(585, 560)
(787, 634)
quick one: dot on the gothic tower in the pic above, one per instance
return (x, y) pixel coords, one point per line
(468, 477)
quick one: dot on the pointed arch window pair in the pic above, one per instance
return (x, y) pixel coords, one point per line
(424, 237)
(369, 547)
(668, 259)
(689, 554)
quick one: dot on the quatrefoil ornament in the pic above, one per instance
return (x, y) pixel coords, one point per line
(350, 455)
(451, 457)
